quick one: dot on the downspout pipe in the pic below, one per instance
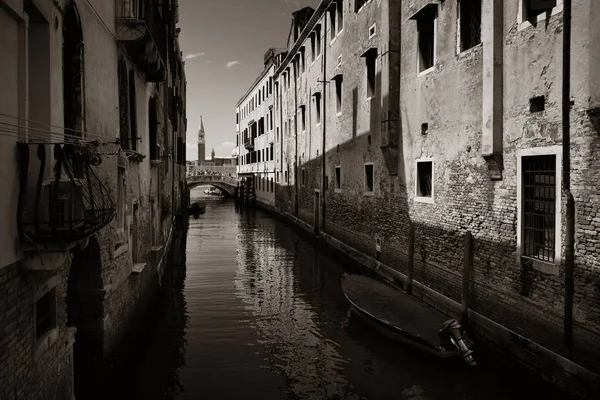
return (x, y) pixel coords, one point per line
(566, 176)
(324, 122)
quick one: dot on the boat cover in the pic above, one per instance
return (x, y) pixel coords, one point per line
(394, 307)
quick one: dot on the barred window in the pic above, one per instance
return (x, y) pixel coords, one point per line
(470, 23)
(539, 206)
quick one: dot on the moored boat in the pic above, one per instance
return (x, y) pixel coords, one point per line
(406, 319)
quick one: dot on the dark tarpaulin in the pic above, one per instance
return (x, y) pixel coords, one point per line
(394, 307)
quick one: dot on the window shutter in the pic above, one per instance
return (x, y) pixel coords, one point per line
(541, 5)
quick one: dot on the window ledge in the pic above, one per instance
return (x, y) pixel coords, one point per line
(540, 18)
(369, 193)
(122, 249)
(426, 72)
(138, 268)
(466, 53)
(154, 163)
(44, 343)
(340, 191)
(545, 267)
(339, 114)
(421, 199)
(133, 155)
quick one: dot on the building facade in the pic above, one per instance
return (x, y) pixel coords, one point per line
(255, 135)
(426, 140)
(93, 137)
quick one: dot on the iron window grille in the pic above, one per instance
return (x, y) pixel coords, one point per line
(539, 207)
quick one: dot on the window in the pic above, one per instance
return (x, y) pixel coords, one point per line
(132, 111)
(237, 117)
(318, 29)
(338, 179)
(340, 15)
(259, 155)
(45, 313)
(424, 189)
(302, 112)
(313, 51)
(358, 4)
(539, 206)
(153, 128)
(271, 118)
(371, 61)
(338, 93)
(368, 178)
(426, 32)
(533, 8)
(272, 186)
(469, 15)
(317, 101)
(372, 30)
(302, 61)
(121, 203)
(332, 15)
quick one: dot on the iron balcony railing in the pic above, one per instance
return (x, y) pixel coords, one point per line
(150, 13)
(61, 198)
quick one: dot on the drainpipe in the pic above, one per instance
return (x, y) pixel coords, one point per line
(566, 157)
(324, 122)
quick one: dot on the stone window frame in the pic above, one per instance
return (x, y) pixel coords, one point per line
(374, 27)
(47, 340)
(423, 199)
(365, 191)
(338, 189)
(459, 50)
(435, 46)
(363, 6)
(540, 151)
(523, 23)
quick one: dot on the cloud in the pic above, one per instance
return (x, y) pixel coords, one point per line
(232, 63)
(210, 61)
(194, 55)
(227, 144)
(294, 2)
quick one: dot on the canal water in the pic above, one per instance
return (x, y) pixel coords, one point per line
(255, 311)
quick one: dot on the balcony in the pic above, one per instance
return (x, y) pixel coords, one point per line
(61, 201)
(142, 28)
(249, 144)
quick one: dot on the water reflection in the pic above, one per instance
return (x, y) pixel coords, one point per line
(288, 326)
(256, 311)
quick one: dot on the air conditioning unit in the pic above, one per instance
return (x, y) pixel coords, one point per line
(61, 204)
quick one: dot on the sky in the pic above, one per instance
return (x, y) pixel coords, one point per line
(223, 44)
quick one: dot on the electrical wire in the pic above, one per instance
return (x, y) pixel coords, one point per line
(53, 126)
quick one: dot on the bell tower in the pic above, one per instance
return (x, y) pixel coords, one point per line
(201, 143)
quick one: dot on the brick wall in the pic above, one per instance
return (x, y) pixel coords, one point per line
(30, 369)
(525, 298)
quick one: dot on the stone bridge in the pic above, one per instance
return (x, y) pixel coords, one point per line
(226, 183)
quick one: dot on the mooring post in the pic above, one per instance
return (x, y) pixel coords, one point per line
(411, 258)
(467, 264)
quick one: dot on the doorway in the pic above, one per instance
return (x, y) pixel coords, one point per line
(85, 311)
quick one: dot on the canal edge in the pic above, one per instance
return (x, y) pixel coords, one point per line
(557, 370)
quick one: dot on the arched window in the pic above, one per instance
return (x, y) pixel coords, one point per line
(73, 96)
